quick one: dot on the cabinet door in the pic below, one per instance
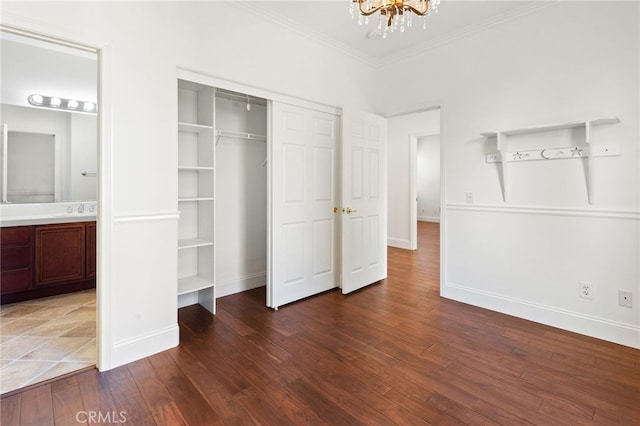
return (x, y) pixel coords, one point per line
(60, 254)
(91, 249)
(15, 259)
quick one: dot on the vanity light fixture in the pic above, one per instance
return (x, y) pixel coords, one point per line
(53, 102)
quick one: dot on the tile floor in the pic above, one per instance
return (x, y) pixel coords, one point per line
(44, 338)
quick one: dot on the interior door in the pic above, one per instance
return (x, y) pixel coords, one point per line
(364, 199)
(303, 233)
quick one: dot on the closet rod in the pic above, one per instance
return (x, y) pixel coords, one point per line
(239, 135)
(225, 94)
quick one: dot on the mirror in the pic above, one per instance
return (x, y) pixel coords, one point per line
(48, 149)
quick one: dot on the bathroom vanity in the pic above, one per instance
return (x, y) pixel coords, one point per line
(47, 253)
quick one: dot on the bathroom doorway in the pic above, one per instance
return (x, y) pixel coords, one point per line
(49, 89)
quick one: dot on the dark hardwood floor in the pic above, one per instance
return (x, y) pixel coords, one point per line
(393, 353)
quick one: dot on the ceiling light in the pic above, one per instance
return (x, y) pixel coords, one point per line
(394, 14)
(53, 102)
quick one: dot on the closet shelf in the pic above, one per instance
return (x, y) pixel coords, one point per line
(191, 284)
(194, 128)
(191, 199)
(196, 168)
(240, 135)
(193, 243)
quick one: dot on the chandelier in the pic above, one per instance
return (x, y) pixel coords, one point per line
(393, 13)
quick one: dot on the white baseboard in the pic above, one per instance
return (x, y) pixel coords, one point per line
(600, 328)
(429, 219)
(240, 284)
(143, 346)
(399, 243)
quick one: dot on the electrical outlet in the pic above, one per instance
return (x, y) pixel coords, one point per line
(625, 298)
(469, 197)
(586, 290)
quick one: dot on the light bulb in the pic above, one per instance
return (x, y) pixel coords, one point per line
(35, 100)
(88, 106)
(72, 104)
(55, 102)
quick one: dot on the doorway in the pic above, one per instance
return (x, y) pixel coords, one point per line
(49, 325)
(428, 178)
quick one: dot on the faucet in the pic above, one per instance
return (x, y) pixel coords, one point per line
(81, 208)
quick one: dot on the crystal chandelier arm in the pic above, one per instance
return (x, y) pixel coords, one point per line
(371, 11)
(419, 12)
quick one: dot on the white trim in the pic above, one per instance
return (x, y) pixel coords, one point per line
(601, 328)
(435, 219)
(263, 12)
(237, 285)
(548, 210)
(41, 30)
(146, 345)
(145, 217)
(399, 243)
(238, 86)
(467, 31)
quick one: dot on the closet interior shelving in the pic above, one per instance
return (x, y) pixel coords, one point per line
(196, 193)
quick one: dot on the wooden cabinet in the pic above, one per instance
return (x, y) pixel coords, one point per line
(44, 260)
(16, 258)
(60, 254)
(91, 259)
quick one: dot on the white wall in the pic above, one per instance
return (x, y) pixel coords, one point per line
(428, 178)
(84, 156)
(400, 130)
(568, 61)
(146, 43)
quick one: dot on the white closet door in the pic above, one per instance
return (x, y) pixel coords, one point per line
(304, 234)
(364, 199)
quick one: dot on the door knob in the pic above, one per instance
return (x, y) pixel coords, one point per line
(349, 210)
(335, 210)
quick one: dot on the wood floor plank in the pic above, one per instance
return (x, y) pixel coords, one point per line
(68, 407)
(127, 397)
(392, 353)
(194, 408)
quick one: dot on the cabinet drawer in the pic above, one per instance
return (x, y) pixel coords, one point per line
(15, 280)
(15, 257)
(15, 235)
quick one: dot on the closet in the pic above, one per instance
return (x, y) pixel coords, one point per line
(280, 192)
(222, 193)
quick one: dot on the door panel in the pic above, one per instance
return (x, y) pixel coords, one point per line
(304, 243)
(364, 200)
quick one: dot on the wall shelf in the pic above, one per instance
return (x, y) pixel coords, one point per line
(587, 151)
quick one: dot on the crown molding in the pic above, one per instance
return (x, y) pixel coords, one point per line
(259, 9)
(466, 31)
